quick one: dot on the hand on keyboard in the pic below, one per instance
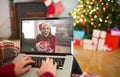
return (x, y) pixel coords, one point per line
(47, 66)
(38, 60)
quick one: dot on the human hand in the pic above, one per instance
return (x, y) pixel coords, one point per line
(43, 46)
(47, 66)
(20, 65)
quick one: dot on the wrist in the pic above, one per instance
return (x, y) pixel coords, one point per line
(47, 74)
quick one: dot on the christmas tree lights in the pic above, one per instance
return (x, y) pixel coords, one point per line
(94, 14)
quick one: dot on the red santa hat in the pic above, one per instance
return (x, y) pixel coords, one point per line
(40, 27)
(43, 23)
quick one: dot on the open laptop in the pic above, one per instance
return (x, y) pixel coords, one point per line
(61, 29)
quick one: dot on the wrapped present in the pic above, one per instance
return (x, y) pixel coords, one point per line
(79, 34)
(98, 37)
(43, 45)
(88, 44)
(115, 31)
(111, 41)
(78, 42)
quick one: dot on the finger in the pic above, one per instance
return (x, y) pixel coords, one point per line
(27, 68)
(51, 60)
(28, 62)
(47, 60)
(55, 64)
(43, 62)
(27, 58)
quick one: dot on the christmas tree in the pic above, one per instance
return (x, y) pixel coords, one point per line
(96, 14)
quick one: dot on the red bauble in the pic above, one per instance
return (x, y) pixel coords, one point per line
(98, 13)
(76, 42)
(113, 10)
(106, 7)
(83, 22)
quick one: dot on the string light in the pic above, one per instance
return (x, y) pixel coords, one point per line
(95, 16)
(100, 19)
(91, 12)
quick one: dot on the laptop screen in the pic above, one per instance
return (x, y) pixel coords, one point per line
(47, 35)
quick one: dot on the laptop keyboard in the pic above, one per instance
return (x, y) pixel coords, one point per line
(59, 60)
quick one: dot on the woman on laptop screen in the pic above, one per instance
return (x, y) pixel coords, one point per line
(45, 41)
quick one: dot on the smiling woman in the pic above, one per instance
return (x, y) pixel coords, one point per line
(46, 40)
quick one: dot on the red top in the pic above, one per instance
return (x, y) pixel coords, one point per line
(51, 39)
(8, 71)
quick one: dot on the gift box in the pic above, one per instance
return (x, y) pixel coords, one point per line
(79, 34)
(88, 44)
(98, 37)
(111, 41)
(78, 42)
(115, 33)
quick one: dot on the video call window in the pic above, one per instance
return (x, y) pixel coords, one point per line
(47, 36)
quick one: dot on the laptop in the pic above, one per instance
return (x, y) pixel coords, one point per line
(61, 45)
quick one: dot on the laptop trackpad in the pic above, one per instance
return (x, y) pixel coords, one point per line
(62, 73)
(30, 73)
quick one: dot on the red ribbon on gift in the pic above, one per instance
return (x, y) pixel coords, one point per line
(89, 44)
(98, 38)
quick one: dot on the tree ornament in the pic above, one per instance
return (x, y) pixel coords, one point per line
(106, 7)
(113, 10)
(97, 13)
(83, 23)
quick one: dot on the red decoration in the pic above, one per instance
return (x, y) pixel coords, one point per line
(106, 7)
(76, 42)
(113, 10)
(97, 13)
(50, 8)
(83, 22)
(112, 41)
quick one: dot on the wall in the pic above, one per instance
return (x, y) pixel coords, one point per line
(66, 3)
(5, 30)
(69, 5)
